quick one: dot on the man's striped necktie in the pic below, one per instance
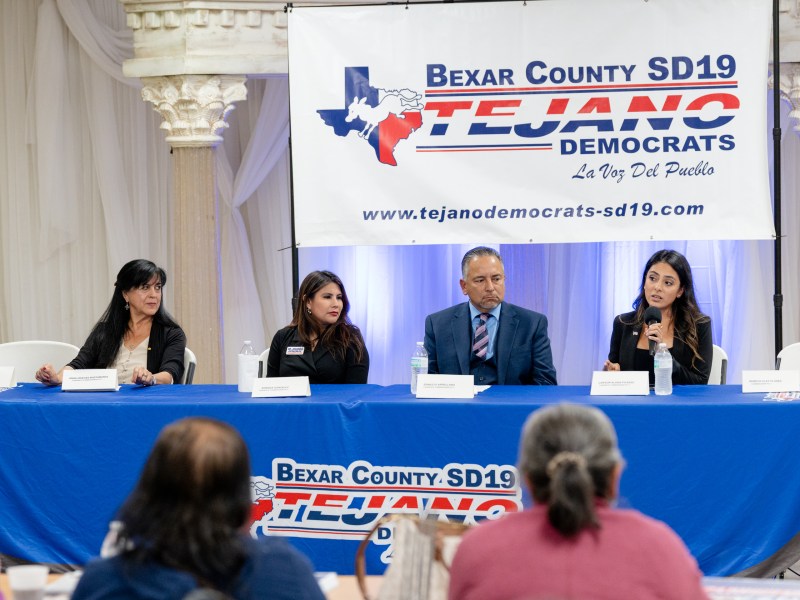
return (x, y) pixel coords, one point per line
(480, 343)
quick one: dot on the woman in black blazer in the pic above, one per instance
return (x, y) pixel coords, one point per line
(666, 285)
(320, 342)
(136, 335)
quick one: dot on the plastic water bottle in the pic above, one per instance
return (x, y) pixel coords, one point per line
(419, 365)
(248, 367)
(662, 364)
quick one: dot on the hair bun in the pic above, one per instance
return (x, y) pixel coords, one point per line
(563, 458)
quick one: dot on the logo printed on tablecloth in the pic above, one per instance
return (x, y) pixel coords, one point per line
(344, 502)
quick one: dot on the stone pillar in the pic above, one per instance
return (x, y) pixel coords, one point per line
(194, 109)
(195, 236)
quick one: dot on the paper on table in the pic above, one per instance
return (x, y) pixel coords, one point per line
(90, 380)
(281, 387)
(64, 585)
(7, 379)
(445, 386)
(770, 381)
(619, 383)
(327, 580)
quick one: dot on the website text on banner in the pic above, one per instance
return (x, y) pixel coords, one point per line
(512, 122)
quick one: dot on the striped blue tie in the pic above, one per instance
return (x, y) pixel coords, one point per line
(480, 343)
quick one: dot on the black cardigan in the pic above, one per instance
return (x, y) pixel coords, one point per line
(164, 352)
(625, 337)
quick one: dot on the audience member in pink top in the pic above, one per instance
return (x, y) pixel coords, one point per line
(572, 545)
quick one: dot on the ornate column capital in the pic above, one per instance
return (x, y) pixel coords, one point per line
(194, 107)
(789, 89)
(789, 84)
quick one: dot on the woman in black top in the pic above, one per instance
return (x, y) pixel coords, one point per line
(666, 285)
(320, 342)
(135, 324)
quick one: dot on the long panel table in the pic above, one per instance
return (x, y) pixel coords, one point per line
(713, 463)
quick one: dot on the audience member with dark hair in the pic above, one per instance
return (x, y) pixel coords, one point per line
(667, 285)
(136, 336)
(320, 342)
(183, 528)
(572, 543)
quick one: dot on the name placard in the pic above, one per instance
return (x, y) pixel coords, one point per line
(620, 383)
(7, 379)
(281, 387)
(445, 386)
(89, 380)
(770, 381)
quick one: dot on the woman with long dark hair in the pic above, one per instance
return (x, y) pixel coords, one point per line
(136, 335)
(666, 285)
(572, 543)
(182, 528)
(320, 342)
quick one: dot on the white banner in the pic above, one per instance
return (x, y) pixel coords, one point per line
(513, 122)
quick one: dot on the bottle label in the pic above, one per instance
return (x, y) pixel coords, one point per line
(419, 362)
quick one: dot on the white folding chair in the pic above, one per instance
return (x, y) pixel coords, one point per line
(262, 363)
(719, 367)
(27, 356)
(189, 364)
(789, 358)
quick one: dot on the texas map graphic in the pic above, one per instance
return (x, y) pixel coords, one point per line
(381, 117)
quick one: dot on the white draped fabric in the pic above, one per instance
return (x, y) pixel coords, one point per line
(85, 184)
(241, 303)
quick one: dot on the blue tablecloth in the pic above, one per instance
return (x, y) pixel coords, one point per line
(713, 463)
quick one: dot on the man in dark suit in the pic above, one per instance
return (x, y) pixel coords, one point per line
(499, 343)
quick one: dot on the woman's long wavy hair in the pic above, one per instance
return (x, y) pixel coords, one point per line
(190, 503)
(338, 337)
(110, 329)
(569, 453)
(685, 313)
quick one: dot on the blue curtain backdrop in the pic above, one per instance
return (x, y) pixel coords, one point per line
(580, 287)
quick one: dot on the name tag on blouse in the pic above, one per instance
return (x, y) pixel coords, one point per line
(295, 350)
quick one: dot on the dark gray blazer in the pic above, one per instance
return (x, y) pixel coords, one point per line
(522, 348)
